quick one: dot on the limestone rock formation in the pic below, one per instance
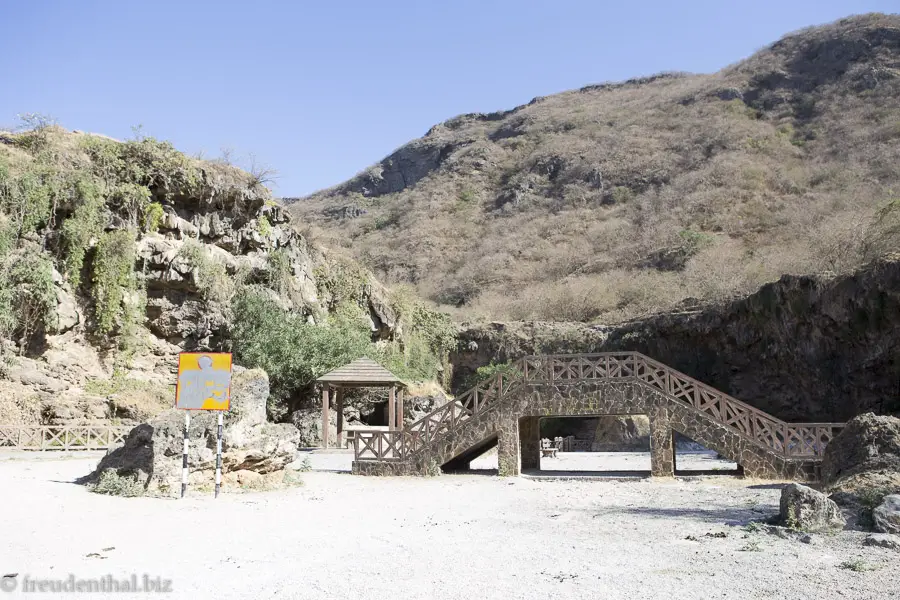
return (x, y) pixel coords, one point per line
(153, 451)
(805, 509)
(863, 458)
(887, 514)
(196, 231)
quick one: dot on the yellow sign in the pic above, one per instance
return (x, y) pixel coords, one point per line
(204, 381)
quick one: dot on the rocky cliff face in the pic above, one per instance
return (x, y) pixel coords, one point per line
(120, 255)
(802, 349)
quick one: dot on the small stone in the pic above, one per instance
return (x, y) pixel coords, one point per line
(883, 540)
(808, 539)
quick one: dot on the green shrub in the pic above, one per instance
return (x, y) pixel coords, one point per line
(114, 276)
(264, 227)
(857, 565)
(279, 272)
(210, 275)
(132, 201)
(694, 241)
(86, 223)
(341, 281)
(869, 499)
(145, 162)
(152, 217)
(27, 294)
(622, 194)
(111, 483)
(485, 372)
(293, 352)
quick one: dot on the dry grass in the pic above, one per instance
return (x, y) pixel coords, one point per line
(582, 205)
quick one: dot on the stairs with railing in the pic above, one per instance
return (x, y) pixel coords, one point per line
(457, 427)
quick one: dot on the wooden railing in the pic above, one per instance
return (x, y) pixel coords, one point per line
(791, 440)
(62, 437)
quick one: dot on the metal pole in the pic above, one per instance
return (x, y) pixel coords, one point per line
(219, 455)
(184, 453)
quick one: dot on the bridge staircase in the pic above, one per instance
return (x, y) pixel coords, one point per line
(505, 410)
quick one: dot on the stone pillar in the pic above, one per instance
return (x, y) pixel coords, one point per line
(662, 449)
(508, 447)
(530, 442)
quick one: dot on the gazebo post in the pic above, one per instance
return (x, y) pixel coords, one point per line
(392, 411)
(325, 416)
(400, 408)
(340, 416)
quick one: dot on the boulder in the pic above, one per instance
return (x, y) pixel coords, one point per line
(863, 462)
(887, 514)
(883, 540)
(153, 451)
(867, 444)
(805, 509)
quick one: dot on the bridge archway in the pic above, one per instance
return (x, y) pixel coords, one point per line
(591, 384)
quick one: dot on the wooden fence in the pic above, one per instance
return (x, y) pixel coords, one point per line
(62, 437)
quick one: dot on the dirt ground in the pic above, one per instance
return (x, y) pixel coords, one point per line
(454, 537)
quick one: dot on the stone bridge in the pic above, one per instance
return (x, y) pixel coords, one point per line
(506, 409)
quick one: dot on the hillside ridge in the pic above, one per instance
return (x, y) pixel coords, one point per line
(621, 199)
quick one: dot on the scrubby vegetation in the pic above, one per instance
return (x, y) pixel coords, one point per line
(111, 483)
(294, 352)
(617, 200)
(76, 204)
(75, 210)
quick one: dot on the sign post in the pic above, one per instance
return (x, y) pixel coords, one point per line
(219, 455)
(204, 383)
(184, 453)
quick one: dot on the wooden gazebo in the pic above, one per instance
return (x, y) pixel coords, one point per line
(361, 373)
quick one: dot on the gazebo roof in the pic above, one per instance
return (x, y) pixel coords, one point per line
(361, 372)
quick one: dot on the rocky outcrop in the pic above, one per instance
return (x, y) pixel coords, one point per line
(864, 455)
(811, 349)
(213, 225)
(153, 451)
(805, 509)
(887, 514)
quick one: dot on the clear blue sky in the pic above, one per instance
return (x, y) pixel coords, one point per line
(320, 90)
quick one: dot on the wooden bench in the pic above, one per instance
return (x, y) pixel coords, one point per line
(547, 449)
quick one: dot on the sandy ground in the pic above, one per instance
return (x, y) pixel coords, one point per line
(455, 537)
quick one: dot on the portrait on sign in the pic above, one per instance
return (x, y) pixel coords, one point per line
(204, 381)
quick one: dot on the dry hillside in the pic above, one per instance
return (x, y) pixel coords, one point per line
(618, 200)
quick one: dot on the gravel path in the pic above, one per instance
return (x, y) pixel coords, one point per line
(454, 537)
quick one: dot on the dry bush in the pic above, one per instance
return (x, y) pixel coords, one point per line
(538, 213)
